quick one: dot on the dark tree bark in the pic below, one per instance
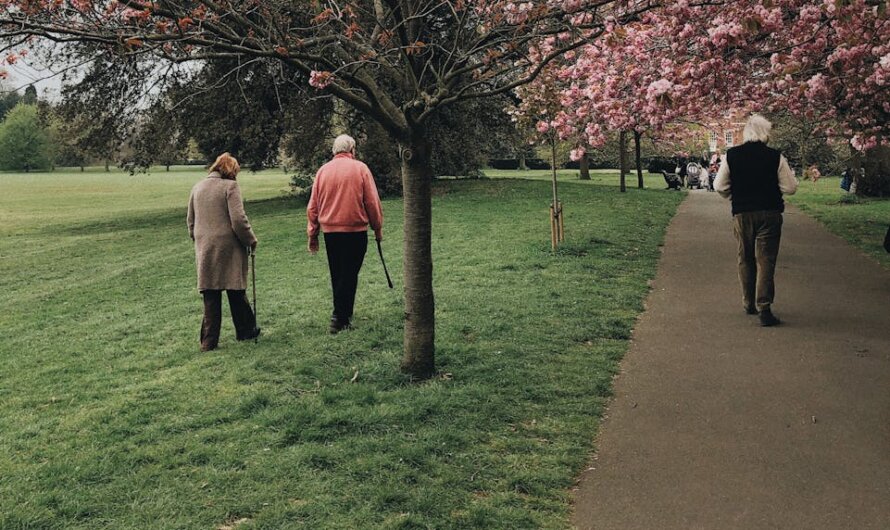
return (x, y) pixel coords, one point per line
(638, 158)
(622, 147)
(585, 167)
(419, 341)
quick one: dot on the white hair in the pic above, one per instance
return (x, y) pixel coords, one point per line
(344, 144)
(757, 129)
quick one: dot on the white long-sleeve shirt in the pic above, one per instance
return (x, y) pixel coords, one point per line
(787, 181)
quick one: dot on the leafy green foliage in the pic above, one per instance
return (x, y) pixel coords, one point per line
(112, 418)
(158, 138)
(247, 110)
(24, 144)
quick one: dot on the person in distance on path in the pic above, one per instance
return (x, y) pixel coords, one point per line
(754, 177)
(222, 234)
(344, 202)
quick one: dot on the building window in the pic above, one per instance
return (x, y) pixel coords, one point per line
(713, 141)
(730, 138)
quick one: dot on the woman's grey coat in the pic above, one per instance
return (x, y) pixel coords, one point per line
(221, 232)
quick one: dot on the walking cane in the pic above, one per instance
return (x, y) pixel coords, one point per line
(253, 281)
(380, 251)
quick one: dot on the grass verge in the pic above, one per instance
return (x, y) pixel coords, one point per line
(861, 221)
(111, 418)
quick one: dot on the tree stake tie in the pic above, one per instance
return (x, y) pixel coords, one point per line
(380, 251)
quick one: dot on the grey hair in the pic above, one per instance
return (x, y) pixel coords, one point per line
(344, 144)
(757, 129)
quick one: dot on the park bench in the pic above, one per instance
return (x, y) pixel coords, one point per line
(672, 180)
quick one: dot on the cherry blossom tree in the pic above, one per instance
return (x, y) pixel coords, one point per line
(684, 62)
(812, 58)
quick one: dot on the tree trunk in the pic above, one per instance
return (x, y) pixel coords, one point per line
(168, 168)
(522, 164)
(622, 148)
(638, 158)
(803, 162)
(419, 340)
(585, 167)
(81, 169)
(107, 166)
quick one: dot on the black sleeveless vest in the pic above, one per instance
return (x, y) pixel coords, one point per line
(754, 178)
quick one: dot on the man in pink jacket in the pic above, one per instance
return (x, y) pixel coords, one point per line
(344, 202)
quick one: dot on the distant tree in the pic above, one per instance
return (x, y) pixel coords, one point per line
(158, 139)
(234, 107)
(100, 108)
(24, 144)
(30, 97)
(65, 139)
(8, 99)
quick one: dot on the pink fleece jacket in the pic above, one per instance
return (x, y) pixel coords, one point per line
(344, 198)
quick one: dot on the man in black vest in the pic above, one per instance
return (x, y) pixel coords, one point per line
(755, 177)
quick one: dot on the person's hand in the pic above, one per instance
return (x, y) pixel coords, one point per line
(253, 246)
(378, 235)
(313, 245)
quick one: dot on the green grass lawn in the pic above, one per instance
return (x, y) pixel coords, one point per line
(862, 222)
(111, 418)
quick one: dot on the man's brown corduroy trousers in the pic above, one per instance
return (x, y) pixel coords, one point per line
(758, 234)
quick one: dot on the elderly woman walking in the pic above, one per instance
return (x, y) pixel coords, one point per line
(222, 235)
(344, 202)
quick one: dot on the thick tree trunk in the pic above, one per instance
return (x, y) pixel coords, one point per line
(622, 148)
(638, 158)
(419, 340)
(585, 167)
(522, 165)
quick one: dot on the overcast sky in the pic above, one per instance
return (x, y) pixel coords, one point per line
(24, 73)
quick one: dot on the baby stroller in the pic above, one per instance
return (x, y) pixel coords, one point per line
(694, 174)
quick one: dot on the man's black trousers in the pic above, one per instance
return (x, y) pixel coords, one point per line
(346, 253)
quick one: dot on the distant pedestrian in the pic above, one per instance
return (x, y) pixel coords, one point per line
(344, 202)
(222, 235)
(755, 177)
(846, 179)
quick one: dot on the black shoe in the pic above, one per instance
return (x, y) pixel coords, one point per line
(250, 336)
(767, 319)
(337, 326)
(751, 310)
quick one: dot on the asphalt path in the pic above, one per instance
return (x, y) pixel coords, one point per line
(718, 423)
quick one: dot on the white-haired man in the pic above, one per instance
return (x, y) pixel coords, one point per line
(344, 202)
(754, 177)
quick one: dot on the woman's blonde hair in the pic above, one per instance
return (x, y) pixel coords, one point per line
(227, 166)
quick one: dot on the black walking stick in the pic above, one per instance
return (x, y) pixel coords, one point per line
(380, 251)
(253, 281)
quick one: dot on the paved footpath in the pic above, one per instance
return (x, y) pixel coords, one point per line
(718, 423)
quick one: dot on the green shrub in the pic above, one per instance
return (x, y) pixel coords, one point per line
(300, 186)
